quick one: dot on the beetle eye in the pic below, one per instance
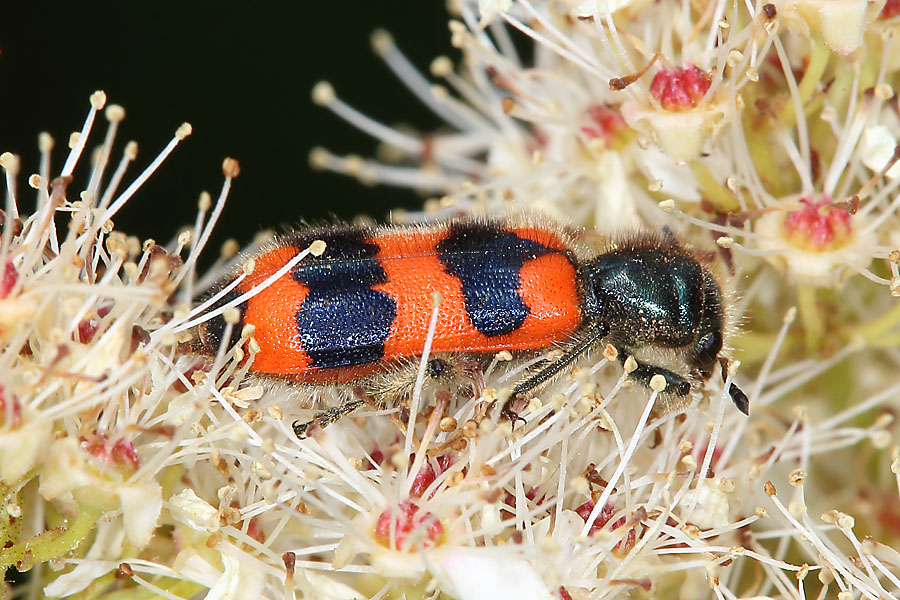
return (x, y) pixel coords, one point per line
(708, 348)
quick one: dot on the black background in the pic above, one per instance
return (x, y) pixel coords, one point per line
(241, 76)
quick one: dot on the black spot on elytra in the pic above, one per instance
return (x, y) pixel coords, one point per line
(487, 260)
(342, 321)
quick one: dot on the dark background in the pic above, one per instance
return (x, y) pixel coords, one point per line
(241, 76)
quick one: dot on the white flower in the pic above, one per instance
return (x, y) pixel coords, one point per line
(878, 145)
(322, 586)
(818, 245)
(684, 118)
(186, 507)
(478, 573)
(86, 573)
(240, 581)
(68, 472)
(23, 447)
(235, 579)
(841, 23)
(706, 505)
(141, 504)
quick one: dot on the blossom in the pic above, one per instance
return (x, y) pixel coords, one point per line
(765, 136)
(841, 24)
(684, 117)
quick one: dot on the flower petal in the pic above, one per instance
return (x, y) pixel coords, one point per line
(476, 574)
(188, 508)
(141, 505)
(23, 448)
(79, 578)
(878, 148)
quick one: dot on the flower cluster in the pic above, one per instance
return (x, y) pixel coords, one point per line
(131, 466)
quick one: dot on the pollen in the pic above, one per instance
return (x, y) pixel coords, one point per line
(183, 131)
(115, 113)
(231, 167)
(657, 382)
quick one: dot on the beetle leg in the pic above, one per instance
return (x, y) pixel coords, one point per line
(509, 410)
(385, 388)
(327, 417)
(596, 332)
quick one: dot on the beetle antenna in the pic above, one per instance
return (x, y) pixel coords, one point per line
(740, 399)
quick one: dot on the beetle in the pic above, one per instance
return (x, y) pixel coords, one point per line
(359, 313)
